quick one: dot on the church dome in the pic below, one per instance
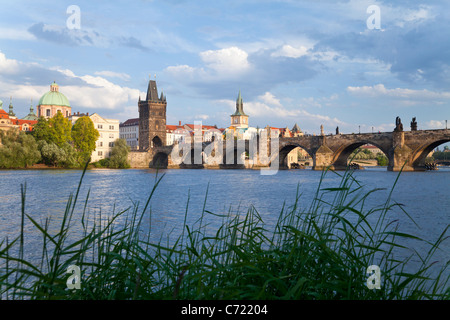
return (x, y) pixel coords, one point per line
(54, 97)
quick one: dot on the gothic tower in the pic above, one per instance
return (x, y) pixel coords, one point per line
(152, 119)
(239, 119)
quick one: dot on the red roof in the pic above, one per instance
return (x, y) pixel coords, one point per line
(171, 128)
(4, 114)
(204, 127)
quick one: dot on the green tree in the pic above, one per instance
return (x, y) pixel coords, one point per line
(65, 156)
(382, 160)
(42, 131)
(52, 154)
(119, 155)
(60, 129)
(84, 136)
(19, 150)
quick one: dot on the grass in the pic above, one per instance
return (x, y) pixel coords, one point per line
(320, 252)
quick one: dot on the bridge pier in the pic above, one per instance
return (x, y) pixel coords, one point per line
(400, 158)
(323, 158)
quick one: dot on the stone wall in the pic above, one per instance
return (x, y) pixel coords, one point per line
(139, 159)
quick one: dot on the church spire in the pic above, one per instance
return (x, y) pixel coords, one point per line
(239, 105)
(11, 112)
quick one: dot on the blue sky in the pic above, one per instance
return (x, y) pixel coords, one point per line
(304, 62)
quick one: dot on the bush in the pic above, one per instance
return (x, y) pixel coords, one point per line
(382, 160)
(19, 150)
(119, 155)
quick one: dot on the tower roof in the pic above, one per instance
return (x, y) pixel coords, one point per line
(54, 97)
(296, 129)
(31, 115)
(152, 92)
(239, 106)
(11, 112)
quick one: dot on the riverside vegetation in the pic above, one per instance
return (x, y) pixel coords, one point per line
(59, 144)
(320, 251)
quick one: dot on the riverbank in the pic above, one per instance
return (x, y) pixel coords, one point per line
(321, 252)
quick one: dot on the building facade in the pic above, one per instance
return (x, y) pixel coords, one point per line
(8, 120)
(53, 102)
(108, 130)
(129, 131)
(152, 119)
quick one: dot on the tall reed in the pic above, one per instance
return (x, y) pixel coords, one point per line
(321, 251)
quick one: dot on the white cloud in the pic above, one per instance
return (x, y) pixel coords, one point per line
(435, 124)
(93, 92)
(186, 72)
(270, 107)
(8, 66)
(380, 90)
(228, 61)
(290, 51)
(112, 74)
(15, 34)
(99, 93)
(270, 99)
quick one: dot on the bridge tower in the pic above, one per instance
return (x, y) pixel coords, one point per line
(152, 119)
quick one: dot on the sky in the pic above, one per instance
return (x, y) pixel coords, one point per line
(356, 65)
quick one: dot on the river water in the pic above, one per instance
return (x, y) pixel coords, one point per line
(425, 196)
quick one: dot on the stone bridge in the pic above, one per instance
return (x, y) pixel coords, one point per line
(405, 150)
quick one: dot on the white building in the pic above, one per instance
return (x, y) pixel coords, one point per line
(109, 132)
(129, 131)
(175, 133)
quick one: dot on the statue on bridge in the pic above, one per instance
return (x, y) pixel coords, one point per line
(337, 131)
(398, 125)
(413, 124)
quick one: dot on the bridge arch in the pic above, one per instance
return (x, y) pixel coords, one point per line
(286, 149)
(341, 156)
(160, 161)
(421, 153)
(194, 159)
(234, 158)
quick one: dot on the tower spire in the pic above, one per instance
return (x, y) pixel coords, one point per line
(239, 105)
(11, 112)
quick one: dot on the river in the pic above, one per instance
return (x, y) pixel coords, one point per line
(425, 196)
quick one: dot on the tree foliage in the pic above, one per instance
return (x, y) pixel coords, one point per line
(84, 134)
(119, 155)
(41, 130)
(60, 129)
(19, 150)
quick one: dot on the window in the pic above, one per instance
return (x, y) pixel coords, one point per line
(100, 126)
(100, 153)
(111, 135)
(100, 144)
(48, 112)
(111, 127)
(111, 144)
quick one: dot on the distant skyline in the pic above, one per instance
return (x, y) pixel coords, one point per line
(307, 62)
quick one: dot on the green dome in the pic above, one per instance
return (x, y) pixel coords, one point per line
(54, 97)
